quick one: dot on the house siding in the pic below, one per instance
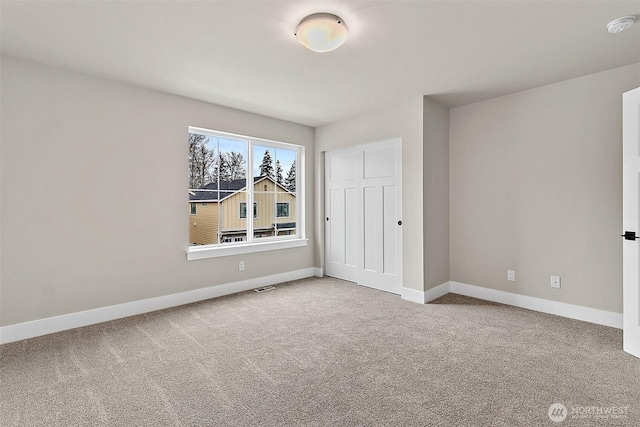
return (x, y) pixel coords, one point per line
(231, 209)
(203, 225)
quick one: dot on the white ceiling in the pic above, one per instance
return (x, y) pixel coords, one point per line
(244, 55)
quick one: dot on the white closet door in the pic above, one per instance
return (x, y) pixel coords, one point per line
(364, 211)
(342, 170)
(382, 216)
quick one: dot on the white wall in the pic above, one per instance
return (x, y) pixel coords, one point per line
(93, 193)
(402, 120)
(536, 186)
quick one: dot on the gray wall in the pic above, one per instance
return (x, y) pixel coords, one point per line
(536, 186)
(93, 176)
(436, 193)
(93, 193)
(402, 120)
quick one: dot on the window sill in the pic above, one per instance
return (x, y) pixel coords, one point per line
(195, 252)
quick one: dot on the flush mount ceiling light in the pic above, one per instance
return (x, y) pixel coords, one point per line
(620, 24)
(322, 32)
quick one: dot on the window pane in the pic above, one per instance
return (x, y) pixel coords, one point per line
(282, 210)
(233, 226)
(286, 160)
(217, 179)
(243, 210)
(263, 161)
(231, 164)
(285, 216)
(264, 196)
(276, 167)
(203, 150)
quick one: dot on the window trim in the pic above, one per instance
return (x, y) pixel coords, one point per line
(208, 251)
(267, 243)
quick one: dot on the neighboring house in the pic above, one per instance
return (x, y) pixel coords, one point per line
(219, 214)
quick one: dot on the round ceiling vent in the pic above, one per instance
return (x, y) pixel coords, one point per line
(620, 24)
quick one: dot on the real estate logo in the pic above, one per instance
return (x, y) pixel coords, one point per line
(557, 412)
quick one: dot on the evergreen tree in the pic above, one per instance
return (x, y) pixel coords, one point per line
(266, 167)
(290, 181)
(278, 172)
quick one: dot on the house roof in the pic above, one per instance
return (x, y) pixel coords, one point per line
(212, 193)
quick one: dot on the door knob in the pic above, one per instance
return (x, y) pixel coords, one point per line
(399, 222)
(327, 218)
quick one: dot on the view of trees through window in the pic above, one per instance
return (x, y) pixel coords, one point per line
(218, 192)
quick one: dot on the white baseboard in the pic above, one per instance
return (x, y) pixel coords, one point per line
(35, 328)
(412, 295)
(437, 292)
(64, 322)
(424, 297)
(587, 314)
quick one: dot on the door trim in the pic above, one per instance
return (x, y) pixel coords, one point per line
(630, 199)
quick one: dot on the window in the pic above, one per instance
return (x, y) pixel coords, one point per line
(282, 210)
(243, 210)
(229, 172)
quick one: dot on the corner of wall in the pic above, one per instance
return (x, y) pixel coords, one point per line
(435, 124)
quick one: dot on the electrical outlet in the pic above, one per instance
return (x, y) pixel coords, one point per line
(555, 282)
(511, 275)
(241, 266)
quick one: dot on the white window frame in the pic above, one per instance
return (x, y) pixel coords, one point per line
(265, 243)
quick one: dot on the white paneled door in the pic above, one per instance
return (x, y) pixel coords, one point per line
(363, 214)
(630, 219)
(342, 171)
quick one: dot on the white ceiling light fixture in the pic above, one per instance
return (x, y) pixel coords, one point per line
(322, 32)
(621, 24)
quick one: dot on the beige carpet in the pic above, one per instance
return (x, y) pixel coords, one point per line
(321, 352)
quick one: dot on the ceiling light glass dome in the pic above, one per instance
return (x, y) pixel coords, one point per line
(322, 32)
